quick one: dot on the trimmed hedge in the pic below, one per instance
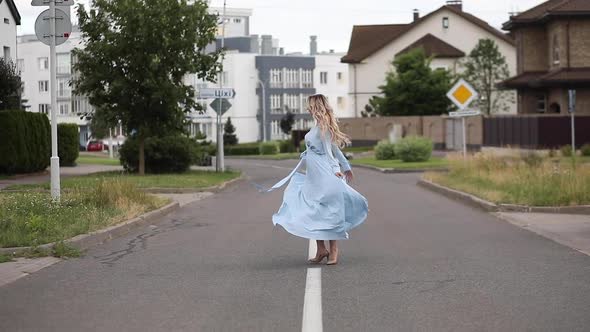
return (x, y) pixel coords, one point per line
(385, 151)
(244, 149)
(267, 148)
(287, 146)
(414, 149)
(68, 143)
(585, 150)
(302, 146)
(170, 154)
(26, 142)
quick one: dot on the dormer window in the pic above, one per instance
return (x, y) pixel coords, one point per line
(445, 22)
(555, 50)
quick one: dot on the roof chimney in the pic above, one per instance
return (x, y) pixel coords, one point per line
(416, 15)
(457, 4)
(313, 45)
(254, 44)
(266, 45)
(281, 51)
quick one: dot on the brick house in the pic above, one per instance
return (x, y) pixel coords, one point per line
(553, 56)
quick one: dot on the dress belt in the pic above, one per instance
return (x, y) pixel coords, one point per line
(288, 177)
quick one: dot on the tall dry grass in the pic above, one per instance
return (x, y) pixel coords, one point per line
(530, 180)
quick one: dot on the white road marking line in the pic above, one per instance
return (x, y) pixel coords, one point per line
(312, 302)
(312, 249)
(272, 166)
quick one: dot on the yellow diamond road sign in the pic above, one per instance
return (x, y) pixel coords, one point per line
(462, 94)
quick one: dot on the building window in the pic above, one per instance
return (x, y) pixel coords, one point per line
(20, 65)
(43, 86)
(64, 108)
(276, 78)
(292, 78)
(43, 63)
(324, 77)
(64, 63)
(6, 53)
(7, 21)
(237, 20)
(307, 79)
(276, 104)
(555, 50)
(541, 104)
(292, 103)
(63, 87)
(44, 108)
(445, 22)
(339, 76)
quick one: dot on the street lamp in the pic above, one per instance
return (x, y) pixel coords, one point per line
(263, 110)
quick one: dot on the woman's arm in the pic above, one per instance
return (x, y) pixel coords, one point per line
(344, 164)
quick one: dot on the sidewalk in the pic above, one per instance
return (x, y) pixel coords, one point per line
(80, 169)
(570, 230)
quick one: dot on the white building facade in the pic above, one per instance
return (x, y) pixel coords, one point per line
(9, 19)
(331, 79)
(449, 33)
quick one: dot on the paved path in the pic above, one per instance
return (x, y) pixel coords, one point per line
(64, 171)
(421, 262)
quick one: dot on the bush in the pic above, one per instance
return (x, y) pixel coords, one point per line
(267, 148)
(26, 142)
(302, 146)
(68, 143)
(244, 149)
(585, 150)
(287, 146)
(414, 149)
(566, 150)
(385, 151)
(170, 154)
(200, 155)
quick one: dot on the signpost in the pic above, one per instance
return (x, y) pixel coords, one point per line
(572, 111)
(224, 93)
(53, 27)
(462, 94)
(220, 106)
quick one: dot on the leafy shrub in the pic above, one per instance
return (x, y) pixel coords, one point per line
(585, 150)
(385, 151)
(286, 146)
(552, 153)
(170, 154)
(200, 155)
(68, 143)
(267, 148)
(302, 146)
(244, 149)
(414, 149)
(26, 142)
(532, 159)
(566, 150)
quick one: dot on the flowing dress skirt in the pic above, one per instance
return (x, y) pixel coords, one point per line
(318, 205)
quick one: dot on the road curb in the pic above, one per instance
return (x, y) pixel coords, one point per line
(401, 171)
(85, 241)
(487, 206)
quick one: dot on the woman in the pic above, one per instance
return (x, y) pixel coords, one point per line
(319, 204)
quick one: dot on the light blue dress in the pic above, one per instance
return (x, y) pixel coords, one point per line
(319, 205)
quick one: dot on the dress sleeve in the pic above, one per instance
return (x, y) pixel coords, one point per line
(344, 164)
(335, 154)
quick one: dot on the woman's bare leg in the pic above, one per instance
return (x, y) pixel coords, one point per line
(321, 252)
(333, 259)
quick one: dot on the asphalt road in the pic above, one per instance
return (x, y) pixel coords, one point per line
(420, 263)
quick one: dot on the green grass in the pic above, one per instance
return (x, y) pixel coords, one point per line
(279, 156)
(32, 219)
(190, 179)
(434, 162)
(5, 258)
(95, 160)
(513, 181)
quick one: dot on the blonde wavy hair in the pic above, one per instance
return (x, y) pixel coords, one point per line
(319, 108)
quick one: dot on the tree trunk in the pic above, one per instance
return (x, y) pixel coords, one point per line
(141, 155)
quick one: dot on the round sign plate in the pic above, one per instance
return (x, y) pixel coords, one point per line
(63, 27)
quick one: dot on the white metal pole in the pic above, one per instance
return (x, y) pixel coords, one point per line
(55, 181)
(464, 138)
(220, 156)
(573, 135)
(110, 143)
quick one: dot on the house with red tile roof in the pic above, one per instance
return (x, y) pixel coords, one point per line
(447, 34)
(553, 56)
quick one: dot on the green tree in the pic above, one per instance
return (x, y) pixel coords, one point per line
(413, 88)
(484, 68)
(287, 122)
(135, 57)
(10, 86)
(229, 136)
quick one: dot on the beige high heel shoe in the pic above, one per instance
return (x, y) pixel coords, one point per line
(317, 260)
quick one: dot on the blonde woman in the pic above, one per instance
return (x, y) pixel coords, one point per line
(320, 205)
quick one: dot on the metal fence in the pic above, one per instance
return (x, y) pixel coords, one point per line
(534, 132)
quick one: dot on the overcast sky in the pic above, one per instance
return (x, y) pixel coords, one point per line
(293, 21)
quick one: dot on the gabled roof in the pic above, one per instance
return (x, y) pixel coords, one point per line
(368, 39)
(546, 10)
(435, 47)
(556, 78)
(13, 11)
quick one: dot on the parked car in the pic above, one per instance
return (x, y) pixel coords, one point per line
(94, 146)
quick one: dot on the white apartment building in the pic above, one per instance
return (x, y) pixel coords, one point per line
(33, 62)
(9, 19)
(237, 21)
(330, 78)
